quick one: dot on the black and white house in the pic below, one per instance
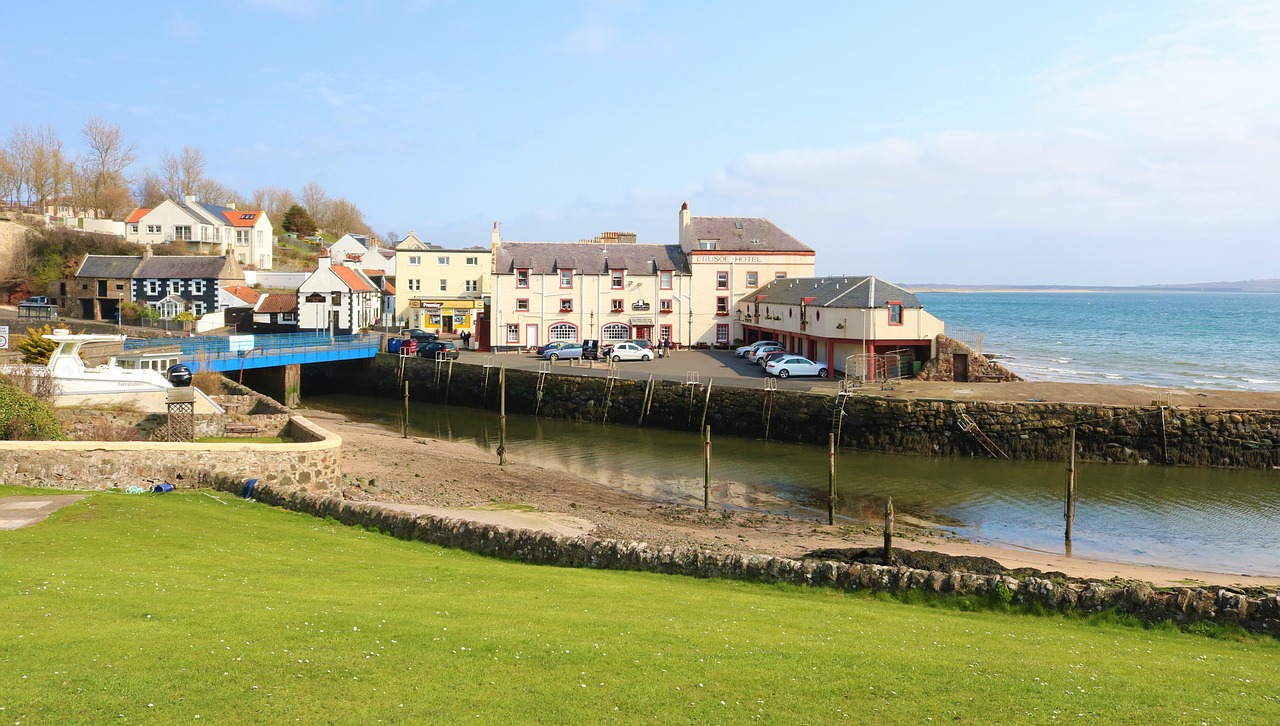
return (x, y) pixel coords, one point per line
(176, 284)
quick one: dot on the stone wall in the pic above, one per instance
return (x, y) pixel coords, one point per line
(1024, 430)
(981, 368)
(1182, 605)
(313, 461)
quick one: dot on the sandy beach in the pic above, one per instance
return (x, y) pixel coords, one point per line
(459, 479)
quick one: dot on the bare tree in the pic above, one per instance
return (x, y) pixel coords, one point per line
(47, 168)
(316, 201)
(273, 201)
(181, 174)
(148, 189)
(21, 149)
(344, 217)
(107, 156)
(8, 178)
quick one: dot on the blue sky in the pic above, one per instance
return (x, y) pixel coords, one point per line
(982, 142)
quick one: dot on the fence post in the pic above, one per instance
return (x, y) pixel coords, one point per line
(706, 469)
(831, 480)
(888, 532)
(502, 416)
(1069, 510)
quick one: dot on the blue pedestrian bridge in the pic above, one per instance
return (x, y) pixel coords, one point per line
(239, 352)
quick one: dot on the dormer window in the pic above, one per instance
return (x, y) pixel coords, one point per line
(708, 244)
(617, 279)
(522, 278)
(566, 278)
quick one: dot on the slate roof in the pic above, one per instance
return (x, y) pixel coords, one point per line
(590, 258)
(184, 267)
(743, 234)
(277, 302)
(108, 266)
(866, 291)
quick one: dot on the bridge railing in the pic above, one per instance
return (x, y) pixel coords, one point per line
(217, 346)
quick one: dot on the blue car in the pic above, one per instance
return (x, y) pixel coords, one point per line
(567, 350)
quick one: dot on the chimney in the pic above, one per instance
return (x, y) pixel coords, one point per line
(684, 227)
(496, 237)
(190, 199)
(324, 261)
(146, 251)
(231, 205)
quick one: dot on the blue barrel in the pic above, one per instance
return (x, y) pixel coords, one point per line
(393, 344)
(163, 488)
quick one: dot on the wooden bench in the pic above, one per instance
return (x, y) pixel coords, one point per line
(240, 429)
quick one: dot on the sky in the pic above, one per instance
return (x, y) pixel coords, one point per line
(1081, 143)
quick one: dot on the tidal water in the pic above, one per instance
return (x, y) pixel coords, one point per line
(1216, 520)
(1168, 339)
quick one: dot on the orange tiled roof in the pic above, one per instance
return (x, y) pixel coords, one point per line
(352, 279)
(242, 217)
(243, 292)
(138, 213)
(390, 288)
(277, 302)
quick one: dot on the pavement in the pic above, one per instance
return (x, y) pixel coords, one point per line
(25, 511)
(723, 368)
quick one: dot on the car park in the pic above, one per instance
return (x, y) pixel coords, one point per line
(542, 349)
(569, 350)
(755, 355)
(785, 366)
(744, 350)
(630, 350)
(435, 347)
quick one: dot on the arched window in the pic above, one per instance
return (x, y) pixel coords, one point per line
(567, 332)
(615, 331)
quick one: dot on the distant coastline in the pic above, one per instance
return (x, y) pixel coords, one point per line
(1253, 286)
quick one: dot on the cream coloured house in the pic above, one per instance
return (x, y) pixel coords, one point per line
(441, 290)
(245, 234)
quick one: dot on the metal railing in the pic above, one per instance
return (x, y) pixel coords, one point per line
(275, 342)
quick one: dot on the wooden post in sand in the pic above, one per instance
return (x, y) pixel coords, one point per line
(706, 469)
(831, 480)
(502, 416)
(1069, 510)
(888, 532)
(404, 420)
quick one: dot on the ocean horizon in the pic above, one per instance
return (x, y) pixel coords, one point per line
(1165, 339)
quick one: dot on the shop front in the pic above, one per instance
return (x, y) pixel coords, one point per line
(446, 317)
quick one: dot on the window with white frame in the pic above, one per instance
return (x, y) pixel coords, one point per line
(566, 305)
(242, 237)
(152, 288)
(664, 279)
(708, 244)
(615, 331)
(753, 279)
(444, 285)
(175, 287)
(722, 280)
(664, 305)
(153, 229)
(513, 333)
(615, 306)
(473, 261)
(722, 306)
(665, 333)
(197, 308)
(779, 275)
(563, 332)
(566, 278)
(133, 228)
(197, 287)
(442, 260)
(415, 259)
(473, 285)
(182, 232)
(206, 233)
(522, 278)
(617, 279)
(522, 304)
(722, 333)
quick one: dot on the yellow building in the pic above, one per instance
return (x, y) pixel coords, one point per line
(441, 290)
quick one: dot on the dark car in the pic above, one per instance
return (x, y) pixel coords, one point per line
(179, 375)
(429, 350)
(418, 334)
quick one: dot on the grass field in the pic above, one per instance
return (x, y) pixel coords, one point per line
(201, 608)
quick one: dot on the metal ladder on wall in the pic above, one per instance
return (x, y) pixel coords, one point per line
(970, 426)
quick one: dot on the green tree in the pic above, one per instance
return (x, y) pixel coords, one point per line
(298, 221)
(25, 418)
(35, 347)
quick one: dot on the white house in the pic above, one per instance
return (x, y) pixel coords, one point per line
(246, 234)
(338, 298)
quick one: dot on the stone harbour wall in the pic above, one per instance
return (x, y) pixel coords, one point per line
(312, 462)
(1024, 430)
(1181, 605)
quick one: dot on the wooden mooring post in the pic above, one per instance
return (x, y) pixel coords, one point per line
(1069, 507)
(502, 416)
(706, 469)
(888, 531)
(831, 481)
(404, 419)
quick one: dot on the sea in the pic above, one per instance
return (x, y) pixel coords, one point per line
(1164, 339)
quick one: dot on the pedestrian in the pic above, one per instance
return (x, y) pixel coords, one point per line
(466, 339)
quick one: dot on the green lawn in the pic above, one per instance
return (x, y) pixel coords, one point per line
(177, 607)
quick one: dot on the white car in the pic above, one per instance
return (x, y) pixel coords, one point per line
(795, 365)
(755, 355)
(744, 350)
(630, 351)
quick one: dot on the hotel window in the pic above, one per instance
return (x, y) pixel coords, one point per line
(722, 306)
(664, 305)
(779, 275)
(753, 279)
(895, 312)
(444, 285)
(617, 279)
(522, 278)
(473, 261)
(615, 331)
(522, 305)
(664, 279)
(665, 333)
(442, 260)
(566, 279)
(722, 333)
(708, 244)
(182, 232)
(562, 331)
(566, 305)
(473, 285)
(722, 280)
(513, 333)
(615, 306)
(415, 260)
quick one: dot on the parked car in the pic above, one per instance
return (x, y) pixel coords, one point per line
(769, 347)
(785, 366)
(37, 300)
(418, 334)
(542, 349)
(568, 350)
(744, 350)
(772, 355)
(430, 349)
(630, 350)
(179, 375)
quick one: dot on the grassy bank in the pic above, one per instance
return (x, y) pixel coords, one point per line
(160, 608)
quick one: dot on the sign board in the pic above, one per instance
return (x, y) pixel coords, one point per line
(315, 297)
(239, 343)
(4, 337)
